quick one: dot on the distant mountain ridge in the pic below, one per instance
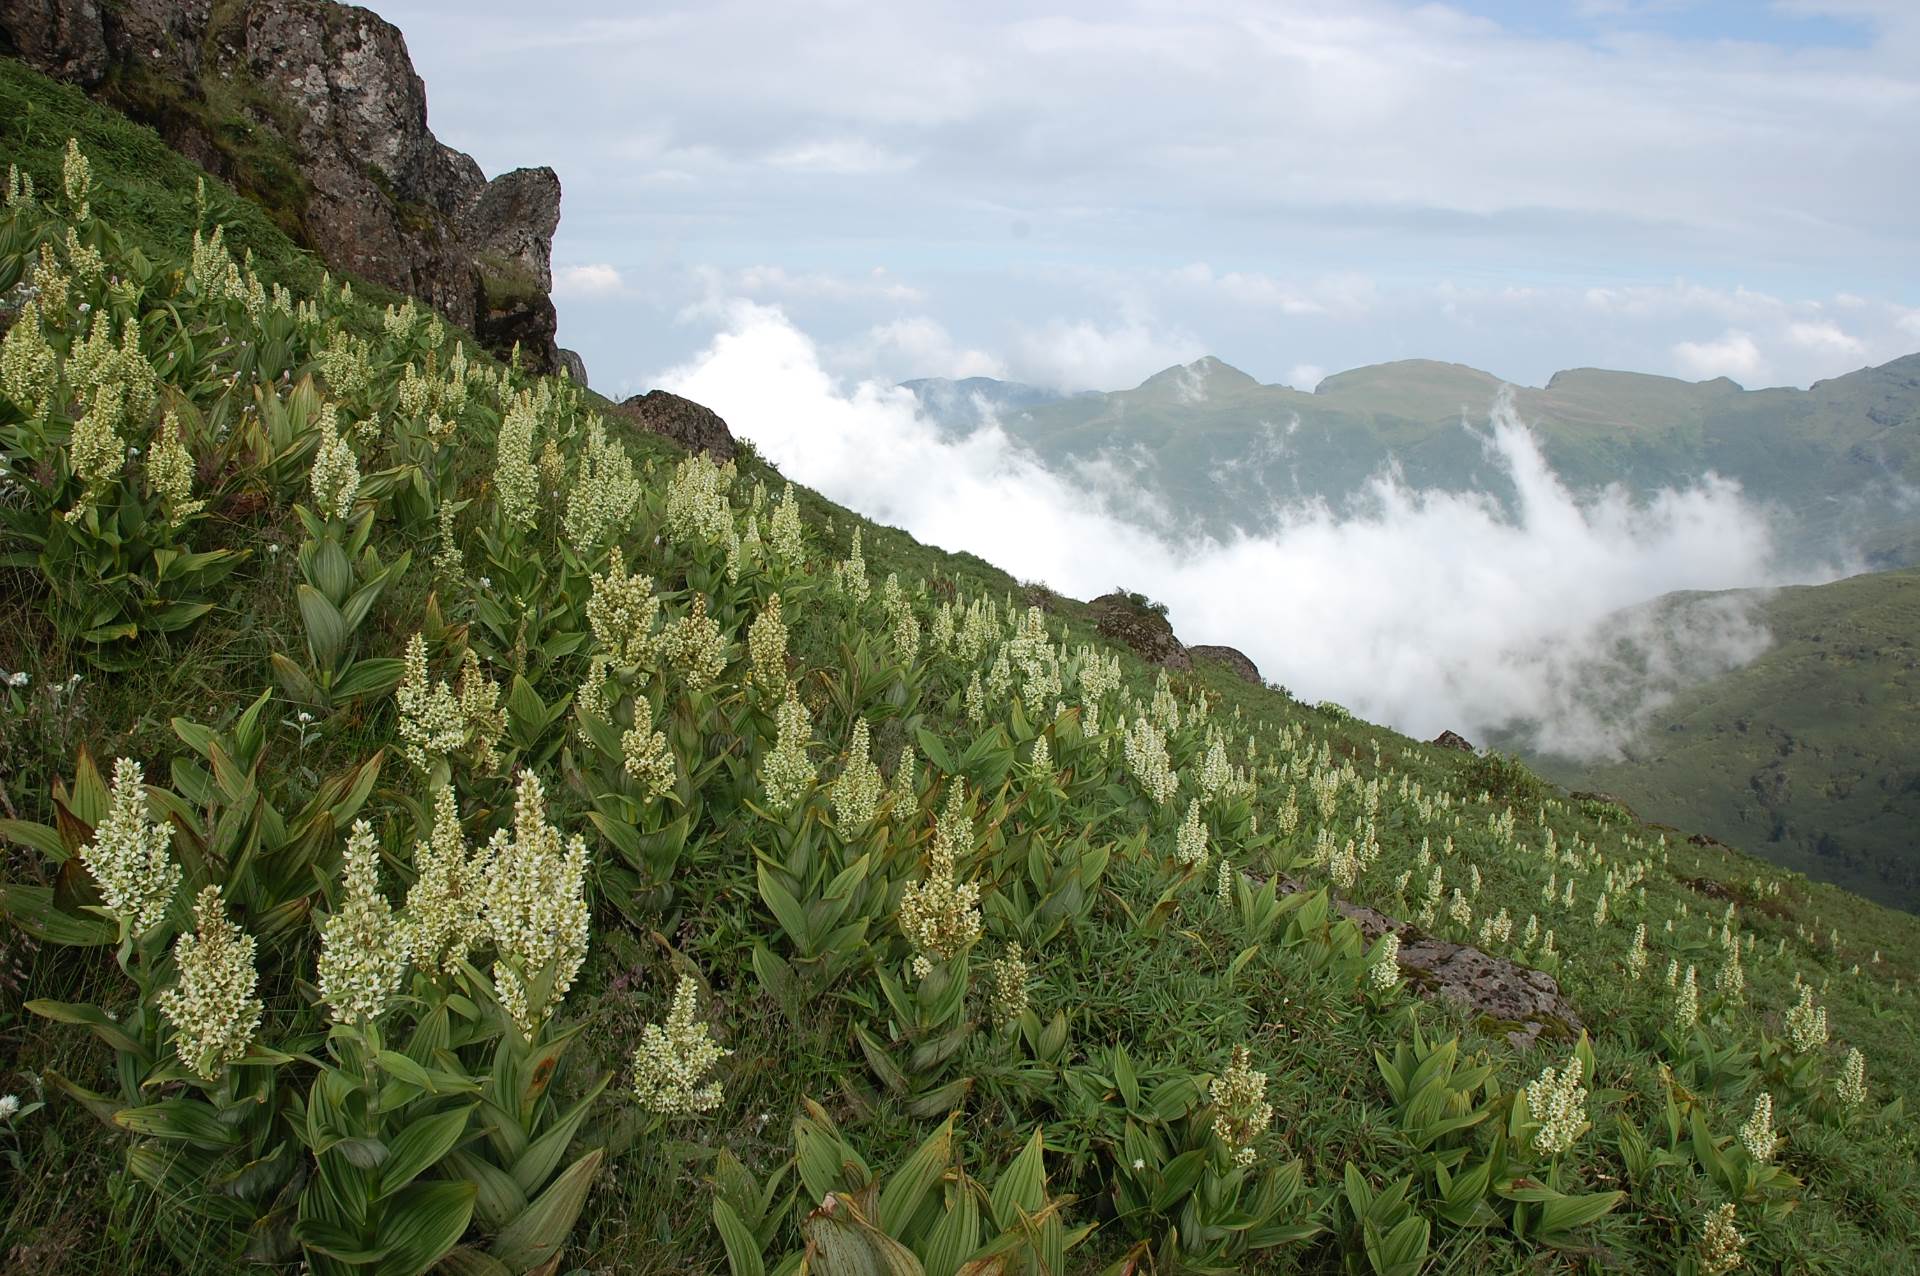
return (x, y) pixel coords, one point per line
(1839, 462)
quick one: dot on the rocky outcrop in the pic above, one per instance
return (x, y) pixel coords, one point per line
(1232, 657)
(65, 39)
(696, 428)
(1129, 619)
(1524, 1002)
(1453, 740)
(313, 108)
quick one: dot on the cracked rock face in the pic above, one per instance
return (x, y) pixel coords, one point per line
(696, 428)
(382, 196)
(1149, 634)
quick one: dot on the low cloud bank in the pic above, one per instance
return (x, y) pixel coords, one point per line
(1423, 609)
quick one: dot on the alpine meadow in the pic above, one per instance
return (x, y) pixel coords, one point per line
(453, 820)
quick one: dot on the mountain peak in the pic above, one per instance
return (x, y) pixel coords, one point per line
(1204, 378)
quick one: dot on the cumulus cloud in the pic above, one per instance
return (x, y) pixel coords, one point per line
(595, 280)
(913, 346)
(1424, 609)
(1081, 354)
(1734, 354)
(1251, 164)
(779, 283)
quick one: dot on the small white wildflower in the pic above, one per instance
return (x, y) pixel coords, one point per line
(212, 1008)
(1757, 1134)
(1384, 974)
(670, 1063)
(1558, 1103)
(1240, 1110)
(128, 855)
(1720, 1244)
(363, 951)
(536, 910)
(786, 773)
(1851, 1088)
(1807, 1023)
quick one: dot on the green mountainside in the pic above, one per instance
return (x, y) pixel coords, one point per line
(1839, 462)
(444, 828)
(1810, 755)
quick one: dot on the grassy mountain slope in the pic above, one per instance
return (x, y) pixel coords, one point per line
(984, 1002)
(1805, 756)
(1838, 460)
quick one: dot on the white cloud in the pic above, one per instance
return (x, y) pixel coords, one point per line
(777, 281)
(913, 346)
(596, 280)
(1733, 354)
(842, 157)
(1320, 169)
(1080, 354)
(1826, 337)
(1305, 376)
(1426, 609)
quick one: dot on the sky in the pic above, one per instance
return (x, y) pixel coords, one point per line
(1082, 194)
(781, 210)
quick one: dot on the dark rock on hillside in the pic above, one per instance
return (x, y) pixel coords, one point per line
(1453, 740)
(1524, 1001)
(62, 38)
(1120, 618)
(696, 428)
(573, 366)
(1232, 657)
(313, 109)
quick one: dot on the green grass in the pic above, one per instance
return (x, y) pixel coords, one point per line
(1148, 962)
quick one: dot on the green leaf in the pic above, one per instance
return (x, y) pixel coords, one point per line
(786, 910)
(189, 1120)
(538, 1161)
(901, 1198)
(1178, 1180)
(326, 628)
(957, 1234)
(33, 910)
(103, 1025)
(1022, 1186)
(464, 1260)
(421, 1145)
(370, 678)
(880, 1061)
(844, 1244)
(1569, 1212)
(1124, 1078)
(743, 1248)
(1401, 1251)
(294, 681)
(498, 1199)
(39, 837)
(425, 1221)
(935, 749)
(542, 1227)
